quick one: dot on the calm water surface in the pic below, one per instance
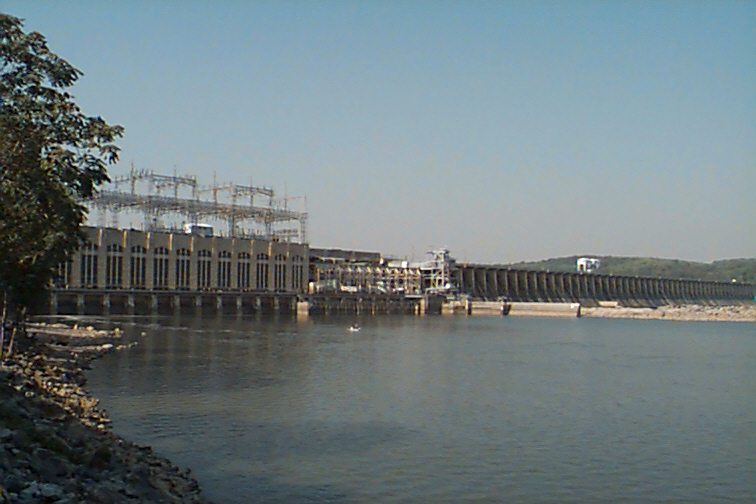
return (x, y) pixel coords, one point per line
(443, 409)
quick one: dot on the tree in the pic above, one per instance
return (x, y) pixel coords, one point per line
(52, 156)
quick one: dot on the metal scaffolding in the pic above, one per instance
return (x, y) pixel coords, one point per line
(437, 273)
(271, 220)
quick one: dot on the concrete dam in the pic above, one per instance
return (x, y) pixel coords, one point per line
(264, 264)
(136, 272)
(492, 283)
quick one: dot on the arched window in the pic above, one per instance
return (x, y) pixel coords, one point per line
(89, 266)
(243, 270)
(279, 272)
(160, 268)
(203, 269)
(138, 267)
(224, 269)
(261, 272)
(183, 269)
(114, 267)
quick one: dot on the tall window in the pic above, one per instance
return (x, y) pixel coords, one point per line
(297, 272)
(114, 267)
(261, 272)
(279, 272)
(138, 267)
(203, 269)
(224, 269)
(183, 269)
(63, 278)
(242, 271)
(160, 268)
(89, 266)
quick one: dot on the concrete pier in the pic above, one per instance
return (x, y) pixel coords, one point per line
(104, 302)
(361, 303)
(486, 308)
(544, 309)
(516, 309)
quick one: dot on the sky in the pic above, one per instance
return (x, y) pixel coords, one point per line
(505, 131)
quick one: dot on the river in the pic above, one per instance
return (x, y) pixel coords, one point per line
(442, 409)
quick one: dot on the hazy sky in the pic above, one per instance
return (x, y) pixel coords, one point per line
(504, 130)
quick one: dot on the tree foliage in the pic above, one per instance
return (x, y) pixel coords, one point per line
(740, 270)
(51, 157)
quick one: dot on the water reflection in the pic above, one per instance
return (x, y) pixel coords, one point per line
(443, 409)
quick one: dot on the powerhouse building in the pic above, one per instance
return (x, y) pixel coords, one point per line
(131, 259)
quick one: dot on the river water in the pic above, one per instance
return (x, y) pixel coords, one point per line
(442, 409)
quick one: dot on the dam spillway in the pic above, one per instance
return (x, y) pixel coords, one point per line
(488, 282)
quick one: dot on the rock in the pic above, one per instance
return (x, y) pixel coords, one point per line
(29, 493)
(20, 440)
(13, 483)
(100, 457)
(53, 467)
(50, 491)
(55, 445)
(103, 495)
(5, 462)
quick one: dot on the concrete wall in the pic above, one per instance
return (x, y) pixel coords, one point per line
(492, 282)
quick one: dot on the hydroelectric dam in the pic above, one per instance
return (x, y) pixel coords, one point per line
(126, 271)
(264, 264)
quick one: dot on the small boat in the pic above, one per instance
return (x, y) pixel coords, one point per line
(354, 328)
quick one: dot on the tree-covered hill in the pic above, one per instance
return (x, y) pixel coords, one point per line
(742, 270)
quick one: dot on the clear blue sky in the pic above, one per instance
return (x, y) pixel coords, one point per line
(506, 131)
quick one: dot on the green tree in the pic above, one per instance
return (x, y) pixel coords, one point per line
(51, 157)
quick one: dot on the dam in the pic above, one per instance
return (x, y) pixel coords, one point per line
(490, 282)
(264, 264)
(135, 272)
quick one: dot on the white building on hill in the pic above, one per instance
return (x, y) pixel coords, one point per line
(588, 264)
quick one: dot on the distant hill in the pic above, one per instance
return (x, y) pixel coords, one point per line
(742, 270)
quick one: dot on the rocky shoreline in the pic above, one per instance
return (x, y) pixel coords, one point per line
(745, 312)
(55, 443)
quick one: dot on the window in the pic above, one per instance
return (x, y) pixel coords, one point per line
(279, 273)
(183, 269)
(261, 272)
(224, 269)
(297, 273)
(160, 268)
(203, 269)
(63, 278)
(138, 267)
(114, 267)
(242, 271)
(89, 266)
